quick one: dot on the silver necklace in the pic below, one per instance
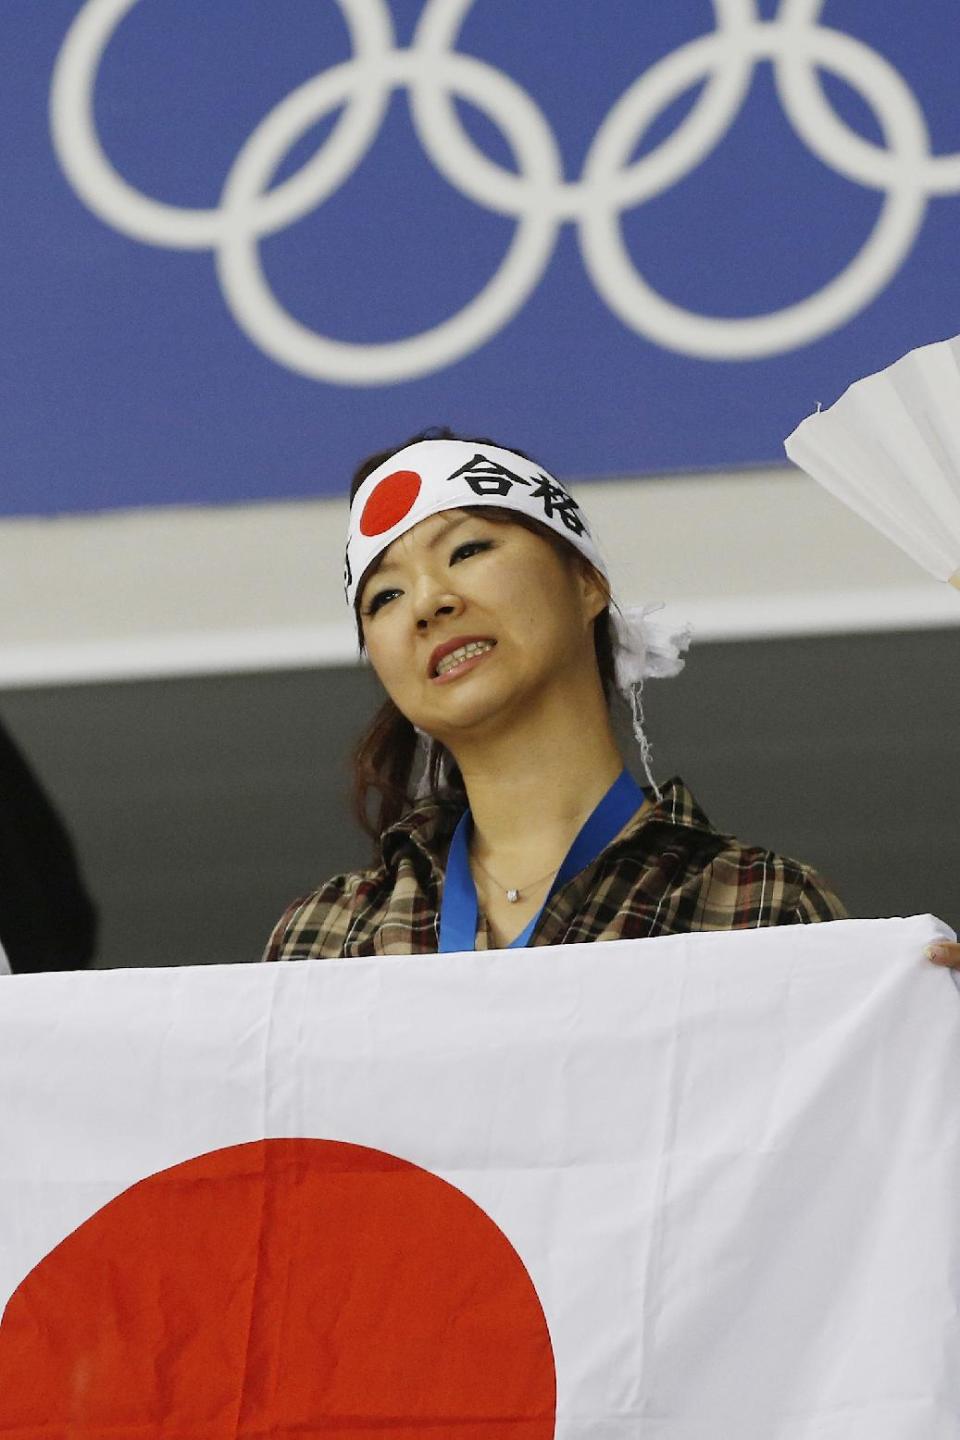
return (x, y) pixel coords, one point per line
(512, 895)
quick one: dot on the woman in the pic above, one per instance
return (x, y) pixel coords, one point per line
(485, 610)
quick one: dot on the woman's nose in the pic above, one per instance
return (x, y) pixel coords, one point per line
(434, 605)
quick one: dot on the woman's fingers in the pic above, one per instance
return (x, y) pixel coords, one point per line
(944, 952)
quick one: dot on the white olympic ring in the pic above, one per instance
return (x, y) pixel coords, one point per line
(537, 195)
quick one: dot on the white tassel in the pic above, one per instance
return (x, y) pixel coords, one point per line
(643, 647)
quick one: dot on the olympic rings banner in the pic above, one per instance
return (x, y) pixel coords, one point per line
(246, 243)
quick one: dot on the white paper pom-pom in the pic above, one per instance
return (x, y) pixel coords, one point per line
(644, 646)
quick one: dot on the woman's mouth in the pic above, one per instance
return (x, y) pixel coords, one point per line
(459, 661)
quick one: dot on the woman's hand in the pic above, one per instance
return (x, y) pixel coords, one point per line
(945, 952)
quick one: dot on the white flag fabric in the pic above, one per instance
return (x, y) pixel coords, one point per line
(699, 1187)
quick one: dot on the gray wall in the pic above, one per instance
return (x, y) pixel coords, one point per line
(200, 807)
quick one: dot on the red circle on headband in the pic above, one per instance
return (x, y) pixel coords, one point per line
(389, 501)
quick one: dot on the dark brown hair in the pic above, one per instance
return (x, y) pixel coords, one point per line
(383, 758)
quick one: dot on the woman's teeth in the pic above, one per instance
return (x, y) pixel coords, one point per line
(465, 652)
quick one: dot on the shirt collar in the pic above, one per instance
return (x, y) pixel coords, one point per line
(430, 826)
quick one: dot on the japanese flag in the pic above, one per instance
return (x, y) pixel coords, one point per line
(693, 1188)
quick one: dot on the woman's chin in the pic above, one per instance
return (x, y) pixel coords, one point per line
(478, 721)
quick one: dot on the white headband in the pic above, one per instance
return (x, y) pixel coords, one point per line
(434, 475)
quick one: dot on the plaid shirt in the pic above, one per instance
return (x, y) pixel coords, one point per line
(667, 872)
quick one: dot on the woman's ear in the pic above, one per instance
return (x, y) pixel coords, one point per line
(594, 590)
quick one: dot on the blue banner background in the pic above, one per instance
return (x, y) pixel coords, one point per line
(126, 381)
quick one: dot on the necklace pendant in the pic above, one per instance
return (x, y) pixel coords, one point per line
(513, 896)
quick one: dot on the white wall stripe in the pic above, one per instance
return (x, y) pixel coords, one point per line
(221, 652)
(129, 595)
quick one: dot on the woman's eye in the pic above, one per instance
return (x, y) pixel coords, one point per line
(381, 598)
(471, 546)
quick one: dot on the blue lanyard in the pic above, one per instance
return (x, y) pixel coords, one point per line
(458, 908)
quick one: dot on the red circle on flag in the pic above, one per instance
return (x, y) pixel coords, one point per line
(388, 502)
(283, 1288)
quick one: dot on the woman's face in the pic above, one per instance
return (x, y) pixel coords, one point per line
(463, 578)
